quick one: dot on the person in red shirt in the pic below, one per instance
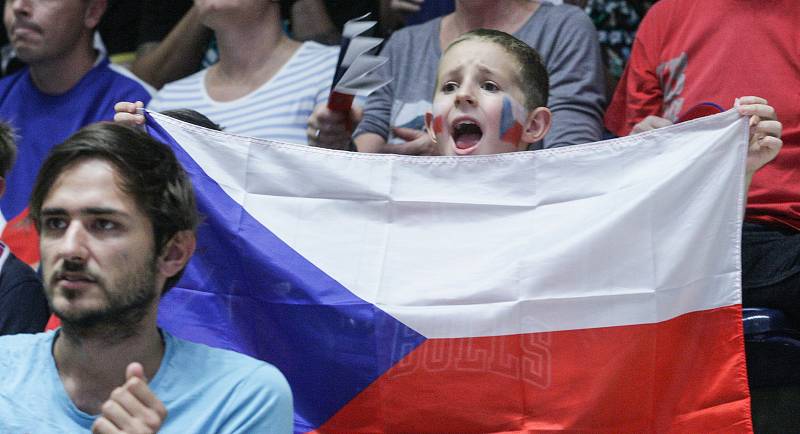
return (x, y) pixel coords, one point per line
(688, 53)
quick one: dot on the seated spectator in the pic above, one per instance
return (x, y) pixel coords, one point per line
(398, 13)
(323, 20)
(265, 84)
(172, 41)
(563, 35)
(65, 86)
(689, 52)
(23, 306)
(117, 219)
(491, 97)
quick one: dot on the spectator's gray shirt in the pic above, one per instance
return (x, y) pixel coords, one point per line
(563, 35)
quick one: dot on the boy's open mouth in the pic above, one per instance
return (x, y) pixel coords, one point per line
(466, 134)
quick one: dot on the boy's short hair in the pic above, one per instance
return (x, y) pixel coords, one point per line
(8, 148)
(532, 79)
(193, 117)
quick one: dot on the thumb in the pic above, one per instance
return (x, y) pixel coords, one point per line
(135, 369)
(408, 134)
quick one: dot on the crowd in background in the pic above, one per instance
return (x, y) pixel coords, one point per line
(264, 69)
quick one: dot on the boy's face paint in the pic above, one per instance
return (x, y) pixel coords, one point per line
(475, 108)
(512, 121)
(438, 125)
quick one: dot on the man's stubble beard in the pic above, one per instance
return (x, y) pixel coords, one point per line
(127, 305)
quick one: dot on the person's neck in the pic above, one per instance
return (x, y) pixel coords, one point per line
(248, 57)
(92, 362)
(58, 75)
(508, 16)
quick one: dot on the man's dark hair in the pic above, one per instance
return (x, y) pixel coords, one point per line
(193, 117)
(146, 169)
(532, 78)
(8, 148)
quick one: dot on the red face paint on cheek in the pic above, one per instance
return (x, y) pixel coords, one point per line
(438, 125)
(513, 135)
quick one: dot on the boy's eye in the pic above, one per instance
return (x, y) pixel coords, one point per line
(490, 86)
(449, 87)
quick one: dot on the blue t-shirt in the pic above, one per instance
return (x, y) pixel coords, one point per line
(42, 121)
(205, 390)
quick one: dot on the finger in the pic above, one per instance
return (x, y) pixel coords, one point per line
(750, 100)
(772, 143)
(761, 110)
(330, 117)
(127, 107)
(139, 388)
(650, 123)
(408, 134)
(135, 369)
(328, 129)
(125, 399)
(118, 416)
(129, 119)
(102, 425)
(769, 128)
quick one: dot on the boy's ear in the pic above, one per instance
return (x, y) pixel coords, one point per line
(429, 126)
(537, 125)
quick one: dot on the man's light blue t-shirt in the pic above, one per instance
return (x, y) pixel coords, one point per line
(205, 390)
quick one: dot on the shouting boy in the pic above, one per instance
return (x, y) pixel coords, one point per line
(491, 97)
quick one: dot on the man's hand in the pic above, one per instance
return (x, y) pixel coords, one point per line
(328, 128)
(127, 113)
(650, 123)
(418, 142)
(765, 131)
(132, 408)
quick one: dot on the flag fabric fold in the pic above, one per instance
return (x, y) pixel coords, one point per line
(594, 288)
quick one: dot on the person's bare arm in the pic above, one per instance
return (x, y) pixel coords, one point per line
(175, 57)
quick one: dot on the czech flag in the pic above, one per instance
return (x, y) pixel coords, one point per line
(593, 288)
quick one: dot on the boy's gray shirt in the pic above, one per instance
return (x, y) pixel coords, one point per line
(563, 35)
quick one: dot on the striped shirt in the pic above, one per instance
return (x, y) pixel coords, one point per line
(277, 110)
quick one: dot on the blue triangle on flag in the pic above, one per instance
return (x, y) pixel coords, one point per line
(246, 290)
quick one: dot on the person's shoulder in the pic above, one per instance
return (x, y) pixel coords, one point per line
(314, 53)
(13, 77)
(417, 30)
(194, 80)
(256, 392)
(562, 14)
(11, 81)
(121, 82)
(22, 346)
(313, 47)
(15, 272)
(227, 362)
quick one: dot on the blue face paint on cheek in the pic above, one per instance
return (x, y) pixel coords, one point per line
(507, 117)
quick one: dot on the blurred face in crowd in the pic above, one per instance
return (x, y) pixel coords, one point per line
(44, 30)
(478, 106)
(98, 249)
(215, 13)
